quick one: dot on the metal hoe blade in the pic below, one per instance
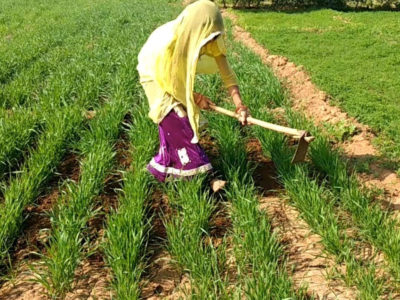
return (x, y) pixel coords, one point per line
(301, 150)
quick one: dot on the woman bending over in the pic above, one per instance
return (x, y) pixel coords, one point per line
(174, 53)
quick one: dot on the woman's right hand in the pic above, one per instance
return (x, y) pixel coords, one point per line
(202, 101)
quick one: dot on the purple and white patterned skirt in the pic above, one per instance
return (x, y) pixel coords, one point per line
(177, 156)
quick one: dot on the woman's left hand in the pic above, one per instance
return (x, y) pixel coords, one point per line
(243, 113)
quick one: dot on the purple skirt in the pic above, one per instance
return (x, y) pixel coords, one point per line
(177, 156)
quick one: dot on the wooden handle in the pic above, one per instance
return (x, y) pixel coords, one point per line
(290, 131)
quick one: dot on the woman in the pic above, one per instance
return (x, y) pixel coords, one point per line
(167, 65)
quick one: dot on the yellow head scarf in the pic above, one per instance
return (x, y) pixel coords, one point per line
(198, 24)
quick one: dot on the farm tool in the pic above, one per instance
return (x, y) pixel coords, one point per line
(303, 137)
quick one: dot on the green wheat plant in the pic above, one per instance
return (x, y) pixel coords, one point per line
(260, 257)
(26, 186)
(376, 225)
(186, 231)
(311, 198)
(127, 226)
(76, 207)
(68, 239)
(79, 68)
(17, 133)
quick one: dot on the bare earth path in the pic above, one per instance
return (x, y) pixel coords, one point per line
(314, 103)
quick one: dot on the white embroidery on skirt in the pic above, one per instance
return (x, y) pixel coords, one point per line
(183, 156)
(180, 172)
(162, 150)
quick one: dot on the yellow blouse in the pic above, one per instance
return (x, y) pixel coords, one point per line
(216, 48)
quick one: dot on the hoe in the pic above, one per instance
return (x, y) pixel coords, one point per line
(302, 136)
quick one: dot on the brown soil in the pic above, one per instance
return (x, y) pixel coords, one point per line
(308, 264)
(159, 207)
(37, 225)
(220, 223)
(265, 172)
(163, 278)
(92, 283)
(209, 145)
(314, 103)
(21, 286)
(123, 157)
(92, 277)
(34, 237)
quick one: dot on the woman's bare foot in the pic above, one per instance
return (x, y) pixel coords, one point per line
(217, 185)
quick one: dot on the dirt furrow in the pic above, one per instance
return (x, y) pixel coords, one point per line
(308, 264)
(314, 103)
(92, 281)
(34, 237)
(92, 277)
(162, 279)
